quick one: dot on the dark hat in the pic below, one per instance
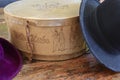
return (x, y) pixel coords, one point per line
(101, 29)
(3, 3)
(10, 60)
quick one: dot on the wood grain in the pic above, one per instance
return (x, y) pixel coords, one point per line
(85, 67)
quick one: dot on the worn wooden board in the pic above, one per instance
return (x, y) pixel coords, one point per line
(82, 68)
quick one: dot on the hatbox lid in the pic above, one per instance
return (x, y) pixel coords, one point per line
(44, 9)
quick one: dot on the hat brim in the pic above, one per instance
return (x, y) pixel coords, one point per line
(11, 63)
(96, 42)
(3, 3)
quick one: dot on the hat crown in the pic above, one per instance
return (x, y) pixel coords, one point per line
(108, 16)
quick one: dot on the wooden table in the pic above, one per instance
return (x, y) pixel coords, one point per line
(82, 68)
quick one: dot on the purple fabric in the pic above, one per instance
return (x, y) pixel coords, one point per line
(10, 60)
(1, 52)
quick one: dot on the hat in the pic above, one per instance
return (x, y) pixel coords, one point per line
(100, 25)
(10, 60)
(3, 3)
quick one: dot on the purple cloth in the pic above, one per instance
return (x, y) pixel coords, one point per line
(10, 60)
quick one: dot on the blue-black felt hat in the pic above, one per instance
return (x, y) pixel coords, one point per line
(3, 3)
(100, 23)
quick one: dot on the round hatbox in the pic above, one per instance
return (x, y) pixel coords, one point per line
(46, 29)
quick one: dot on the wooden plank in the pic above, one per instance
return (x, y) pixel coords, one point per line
(85, 67)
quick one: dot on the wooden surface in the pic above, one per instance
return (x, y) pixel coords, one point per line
(85, 67)
(81, 68)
